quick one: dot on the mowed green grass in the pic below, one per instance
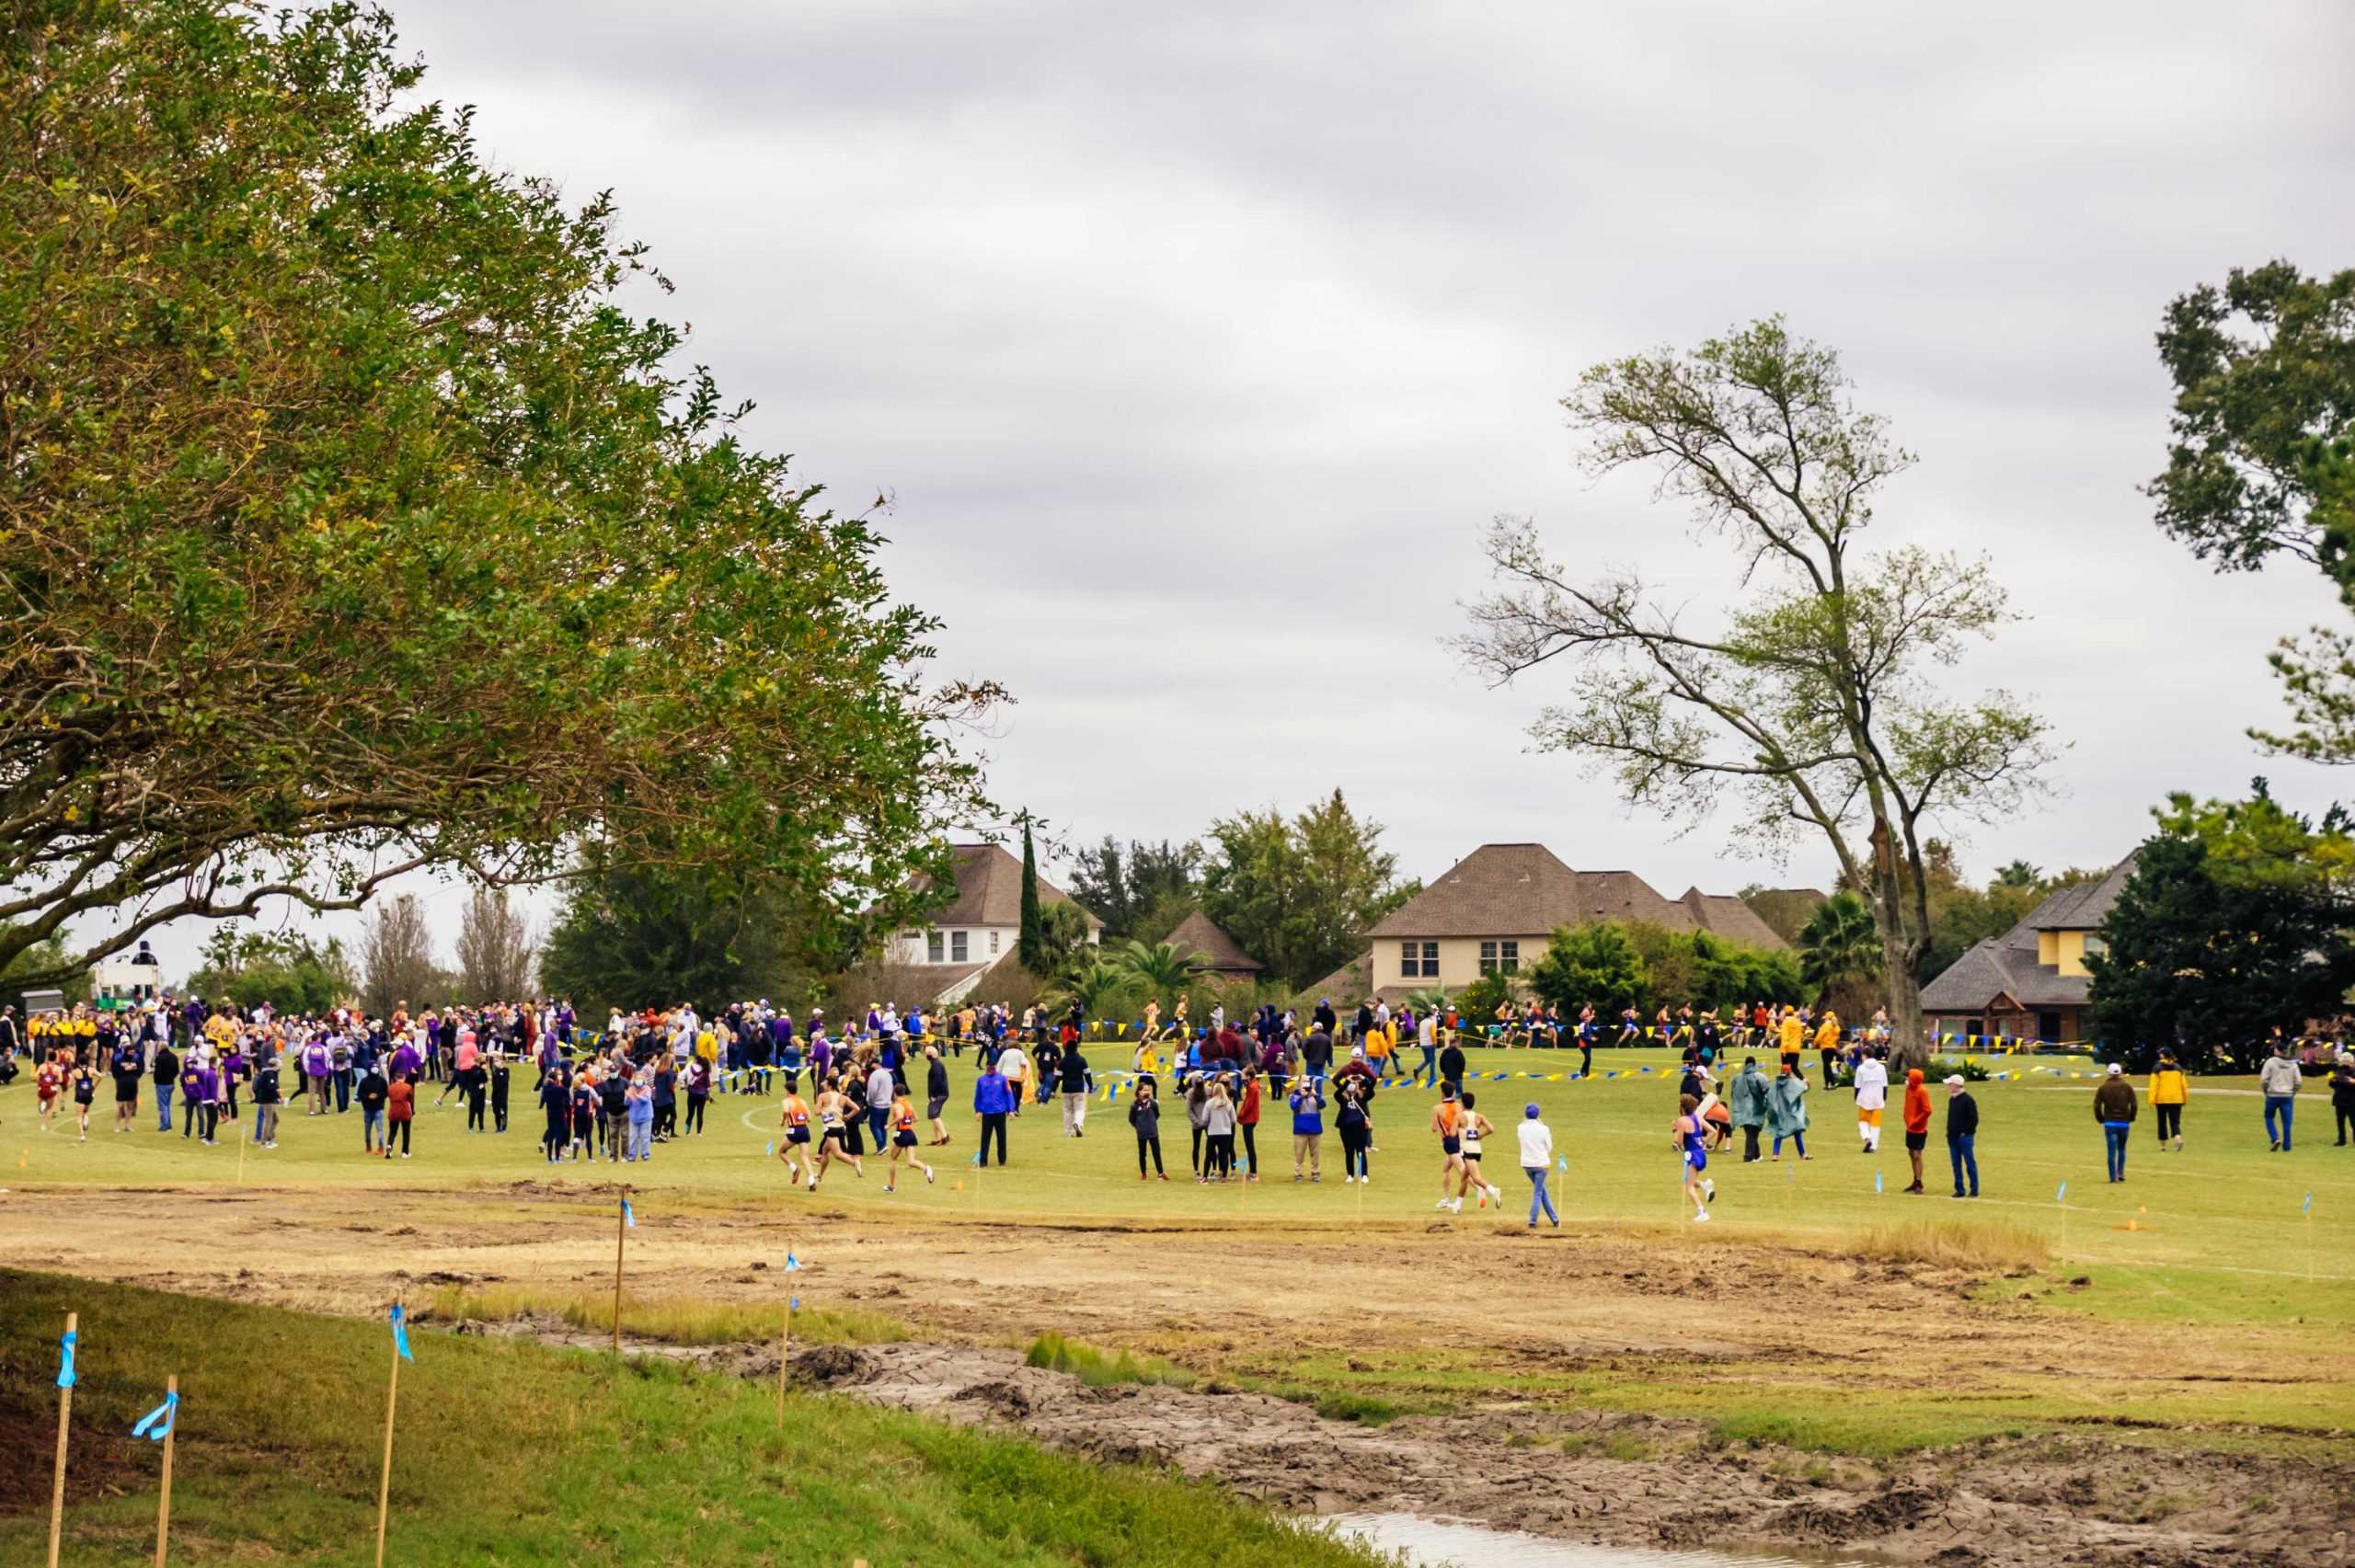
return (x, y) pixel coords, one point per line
(508, 1452)
(2225, 1202)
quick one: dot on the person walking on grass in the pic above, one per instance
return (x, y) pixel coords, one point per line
(1687, 1136)
(936, 1094)
(903, 1144)
(1075, 1080)
(1537, 1164)
(400, 1113)
(1218, 1129)
(1307, 1103)
(163, 1073)
(1962, 1135)
(1354, 1121)
(1247, 1121)
(2170, 1090)
(1872, 1095)
(1917, 1122)
(1747, 1097)
(2114, 1108)
(266, 1101)
(126, 1069)
(1144, 1119)
(993, 1101)
(555, 1108)
(1787, 1109)
(2342, 1096)
(2279, 1078)
(639, 1101)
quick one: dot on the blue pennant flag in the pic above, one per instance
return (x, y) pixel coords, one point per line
(793, 1304)
(2307, 1207)
(977, 1158)
(1562, 1164)
(157, 1423)
(65, 1366)
(2061, 1195)
(1876, 1181)
(792, 1264)
(400, 1333)
(771, 1150)
(629, 1215)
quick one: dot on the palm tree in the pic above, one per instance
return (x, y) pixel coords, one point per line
(1163, 967)
(1099, 989)
(1430, 999)
(1839, 941)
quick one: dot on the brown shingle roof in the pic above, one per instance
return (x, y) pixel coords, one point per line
(1199, 932)
(1497, 890)
(1722, 914)
(1345, 987)
(2007, 964)
(988, 890)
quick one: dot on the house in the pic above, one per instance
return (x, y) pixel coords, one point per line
(981, 925)
(1496, 910)
(2032, 981)
(1222, 954)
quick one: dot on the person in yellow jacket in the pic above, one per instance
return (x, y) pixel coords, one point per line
(1794, 1037)
(2170, 1090)
(1827, 1043)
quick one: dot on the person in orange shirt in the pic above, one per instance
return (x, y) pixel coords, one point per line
(1917, 1122)
(903, 1143)
(799, 1167)
(1447, 1120)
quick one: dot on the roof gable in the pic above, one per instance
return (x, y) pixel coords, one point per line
(988, 890)
(1199, 932)
(1497, 890)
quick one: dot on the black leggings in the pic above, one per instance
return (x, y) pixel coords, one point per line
(2345, 1117)
(1221, 1155)
(1354, 1144)
(1198, 1151)
(474, 1107)
(2170, 1121)
(396, 1132)
(1154, 1143)
(694, 1112)
(993, 1125)
(203, 1118)
(1250, 1149)
(556, 1136)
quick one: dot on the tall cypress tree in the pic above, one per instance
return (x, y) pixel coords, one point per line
(1026, 943)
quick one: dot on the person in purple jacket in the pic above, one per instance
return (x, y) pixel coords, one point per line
(993, 1101)
(316, 1066)
(405, 1063)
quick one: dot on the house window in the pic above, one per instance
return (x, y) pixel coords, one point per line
(1509, 958)
(2096, 945)
(993, 945)
(957, 947)
(1431, 960)
(1487, 957)
(932, 947)
(1419, 958)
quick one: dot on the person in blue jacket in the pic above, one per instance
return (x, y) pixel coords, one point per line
(993, 1101)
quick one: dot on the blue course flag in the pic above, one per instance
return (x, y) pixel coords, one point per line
(1876, 1181)
(792, 1264)
(2061, 1195)
(2307, 1207)
(1562, 1164)
(771, 1150)
(400, 1333)
(629, 1217)
(65, 1365)
(157, 1423)
(793, 1304)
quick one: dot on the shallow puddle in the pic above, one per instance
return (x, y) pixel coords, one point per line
(1436, 1544)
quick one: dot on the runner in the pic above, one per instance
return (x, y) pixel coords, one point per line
(903, 1144)
(1447, 1120)
(1688, 1136)
(1476, 1126)
(833, 1110)
(799, 1165)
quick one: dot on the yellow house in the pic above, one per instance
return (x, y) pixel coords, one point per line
(2030, 983)
(1495, 911)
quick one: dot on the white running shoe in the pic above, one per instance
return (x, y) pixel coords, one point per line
(1441, 1204)
(1708, 1189)
(1701, 1216)
(1457, 1207)
(1497, 1197)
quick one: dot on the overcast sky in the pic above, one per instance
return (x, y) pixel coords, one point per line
(1197, 345)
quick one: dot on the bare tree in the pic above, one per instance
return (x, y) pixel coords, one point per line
(1809, 696)
(497, 949)
(397, 953)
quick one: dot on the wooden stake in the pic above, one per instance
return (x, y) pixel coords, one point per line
(57, 1491)
(164, 1508)
(384, 1485)
(621, 1234)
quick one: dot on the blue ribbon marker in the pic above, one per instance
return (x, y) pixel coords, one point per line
(771, 1150)
(65, 1366)
(629, 1217)
(792, 1264)
(793, 1304)
(167, 1413)
(2307, 1207)
(2061, 1195)
(400, 1333)
(1562, 1164)
(1876, 1181)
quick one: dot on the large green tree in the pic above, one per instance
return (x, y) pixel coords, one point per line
(1593, 964)
(2239, 918)
(632, 937)
(1298, 893)
(350, 524)
(1809, 693)
(2262, 461)
(1126, 887)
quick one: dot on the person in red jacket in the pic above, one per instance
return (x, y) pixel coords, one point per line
(400, 1108)
(1917, 1122)
(1246, 1116)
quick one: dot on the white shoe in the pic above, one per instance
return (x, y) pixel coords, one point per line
(1701, 1216)
(1441, 1204)
(1708, 1189)
(1457, 1207)
(1496, 1198)
(1347, 1180)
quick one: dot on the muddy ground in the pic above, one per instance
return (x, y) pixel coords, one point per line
(1206, 1293)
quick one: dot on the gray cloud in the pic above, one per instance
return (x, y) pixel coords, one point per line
(1197, 344)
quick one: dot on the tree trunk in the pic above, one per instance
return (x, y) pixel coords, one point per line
(1908, 1044)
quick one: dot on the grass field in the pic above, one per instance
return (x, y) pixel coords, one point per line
(2225, 1202)
(512, 1453)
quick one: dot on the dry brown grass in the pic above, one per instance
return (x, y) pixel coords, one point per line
(1971, 1244)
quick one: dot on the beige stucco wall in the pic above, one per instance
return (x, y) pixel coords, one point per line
(1459, 960)
(2063, 950)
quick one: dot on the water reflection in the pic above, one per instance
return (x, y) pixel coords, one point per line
(1435, 1543)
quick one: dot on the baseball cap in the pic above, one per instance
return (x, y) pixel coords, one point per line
(1954, 1079)
(1529, 1109)
(2115, 1070)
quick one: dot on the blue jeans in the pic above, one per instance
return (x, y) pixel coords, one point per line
(2114, 1135)
(342, 1089)
(163, 1107)
(642, 1139)
(1429, 1072)
(1538, 1197)
(371, 1129)
(878, 1122)
(1798, 1141)
(2284, 1105)
(1961, 1150)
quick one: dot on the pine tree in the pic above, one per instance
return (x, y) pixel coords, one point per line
(1028, 944)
